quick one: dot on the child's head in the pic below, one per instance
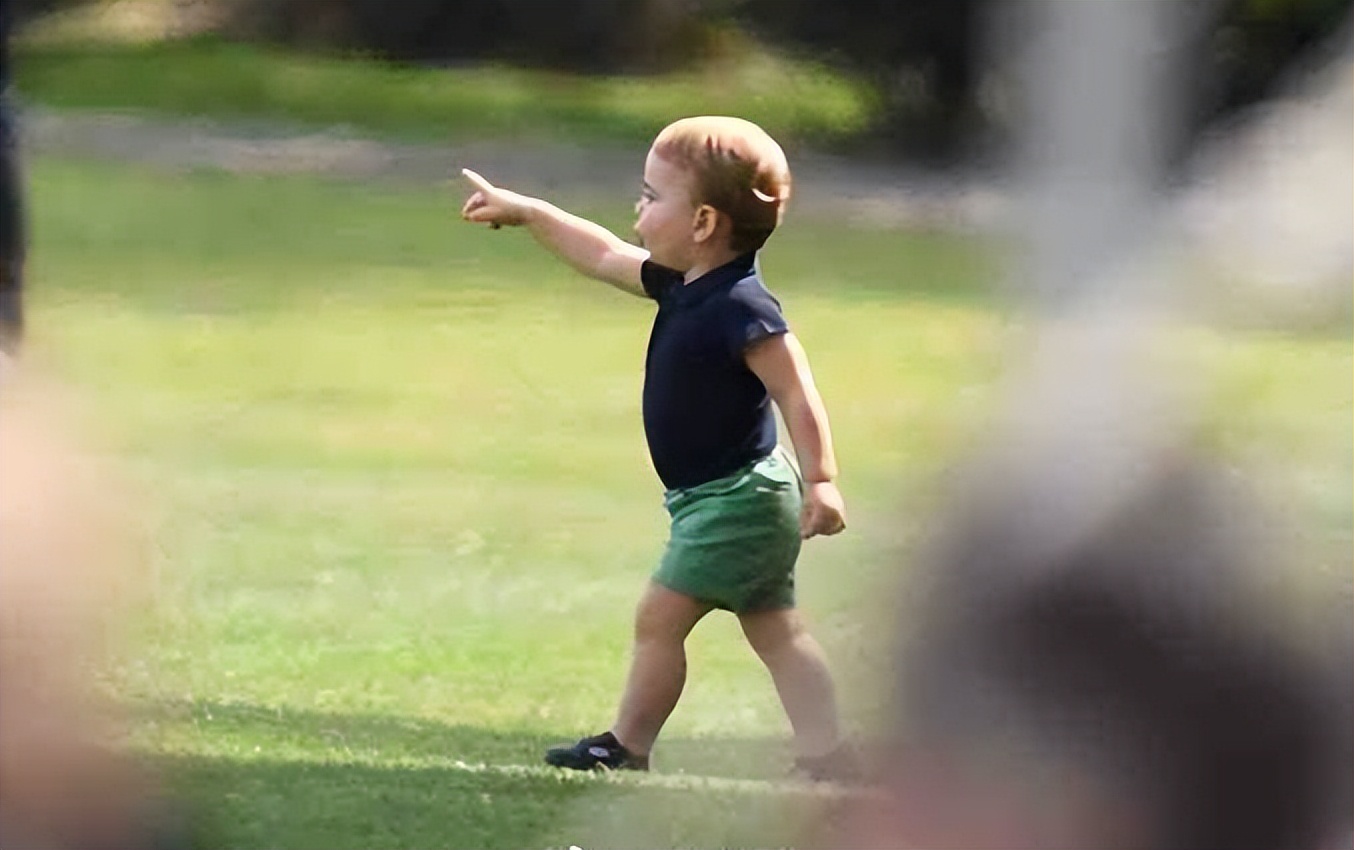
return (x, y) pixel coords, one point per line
(733, 179)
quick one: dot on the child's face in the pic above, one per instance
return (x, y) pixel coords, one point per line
(666, 223)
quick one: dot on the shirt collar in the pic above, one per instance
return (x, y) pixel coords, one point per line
(717, 278)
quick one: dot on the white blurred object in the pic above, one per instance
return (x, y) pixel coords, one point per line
(1270, 200)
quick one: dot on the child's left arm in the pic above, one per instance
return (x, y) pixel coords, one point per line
(783, 367)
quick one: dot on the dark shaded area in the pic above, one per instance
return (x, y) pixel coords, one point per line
(929, 61)
(12, 229)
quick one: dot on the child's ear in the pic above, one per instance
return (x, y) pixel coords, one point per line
(705, 223)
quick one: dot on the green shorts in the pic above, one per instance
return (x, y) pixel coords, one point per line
(735, 540)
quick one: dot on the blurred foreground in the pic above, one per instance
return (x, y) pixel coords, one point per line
(70, 575)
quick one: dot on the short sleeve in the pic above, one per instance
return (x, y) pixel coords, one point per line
(753, 315)
(657, 280)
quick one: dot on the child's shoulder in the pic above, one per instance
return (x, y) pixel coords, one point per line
(749, 299)
(752, 289)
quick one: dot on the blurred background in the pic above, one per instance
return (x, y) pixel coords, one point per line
(901, 78)
(383, 473)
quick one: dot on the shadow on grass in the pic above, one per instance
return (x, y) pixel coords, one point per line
(256, 777)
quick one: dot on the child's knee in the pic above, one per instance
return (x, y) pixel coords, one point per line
(773, 632)
(650, 627)
(666, 615)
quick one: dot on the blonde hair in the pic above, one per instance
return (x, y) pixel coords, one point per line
(738, 169)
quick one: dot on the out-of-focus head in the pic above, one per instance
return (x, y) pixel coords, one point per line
(1122, 685)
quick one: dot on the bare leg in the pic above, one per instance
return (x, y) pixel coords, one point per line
(658, 668)
(798, 666)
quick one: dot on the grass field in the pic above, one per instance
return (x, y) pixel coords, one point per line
(394, 475)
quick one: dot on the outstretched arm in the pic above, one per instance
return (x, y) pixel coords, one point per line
(783, 367)
(588, 247)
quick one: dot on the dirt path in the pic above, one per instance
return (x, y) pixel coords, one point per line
(825, 185)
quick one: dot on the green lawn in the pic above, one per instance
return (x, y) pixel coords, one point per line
(794, 100)
(394, 475)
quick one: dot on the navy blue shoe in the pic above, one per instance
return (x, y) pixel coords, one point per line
(600, 752)
(841, 765)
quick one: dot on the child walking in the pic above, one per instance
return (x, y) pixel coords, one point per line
(720, 351)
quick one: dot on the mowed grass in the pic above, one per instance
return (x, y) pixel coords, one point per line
(795, 100)
(394, 476)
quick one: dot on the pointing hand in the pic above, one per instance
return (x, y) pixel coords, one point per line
(493, 206)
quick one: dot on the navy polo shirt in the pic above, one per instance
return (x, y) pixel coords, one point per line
(705, 413)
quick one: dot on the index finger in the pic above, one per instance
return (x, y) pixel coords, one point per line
(480, 183)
